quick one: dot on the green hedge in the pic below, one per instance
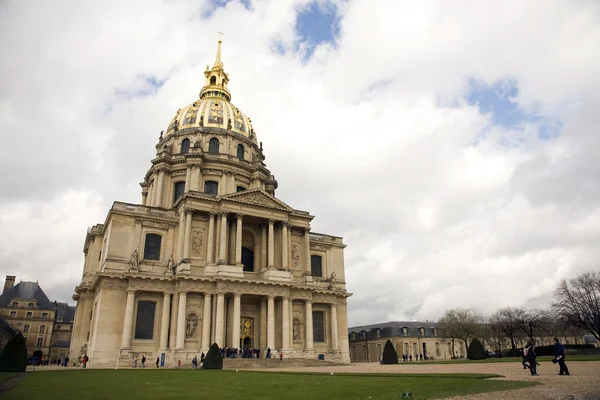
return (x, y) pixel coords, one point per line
(14, 355)
(390, 356)
(476, 350)
(213, 359)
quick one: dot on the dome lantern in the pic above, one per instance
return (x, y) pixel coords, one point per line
(216, 79)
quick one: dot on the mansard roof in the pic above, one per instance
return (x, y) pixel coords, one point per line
(26, 291)
(65, 311)
(395, 328)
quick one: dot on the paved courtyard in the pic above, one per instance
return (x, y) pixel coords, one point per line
(583, 383)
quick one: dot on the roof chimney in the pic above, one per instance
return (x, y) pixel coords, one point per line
(9, 283)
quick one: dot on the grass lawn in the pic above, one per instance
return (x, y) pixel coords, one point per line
(6, 375)
(214, 384)
(501, 360)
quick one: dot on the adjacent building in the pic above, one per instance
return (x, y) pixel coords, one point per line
(210, 255)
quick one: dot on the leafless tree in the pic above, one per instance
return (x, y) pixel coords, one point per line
(577, 302)
(506, 319)
(461, 323)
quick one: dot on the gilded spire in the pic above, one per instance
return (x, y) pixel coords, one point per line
(218, 62)
(216, 78)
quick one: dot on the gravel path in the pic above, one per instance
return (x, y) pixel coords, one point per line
(582, 384)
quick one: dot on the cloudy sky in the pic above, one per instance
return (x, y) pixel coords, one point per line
(454, 145)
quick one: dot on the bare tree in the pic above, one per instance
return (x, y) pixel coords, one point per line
(506, 320)
(531, 322)
(577, 302)
(461, 323)
(492, 336)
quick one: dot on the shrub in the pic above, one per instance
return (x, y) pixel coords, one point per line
(213, 359)
(14, 355)
(389, 354)
(476, 351)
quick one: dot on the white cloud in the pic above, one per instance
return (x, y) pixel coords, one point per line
(439, 207)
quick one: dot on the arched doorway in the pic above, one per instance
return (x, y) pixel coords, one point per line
(38, 354)
(248, 259)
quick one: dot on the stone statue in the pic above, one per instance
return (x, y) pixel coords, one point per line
(191, 327)
(171, 266)
(135, 261)
(202, 120)
(296, 330)
(332, 281)
(229, 123)
(161, 135)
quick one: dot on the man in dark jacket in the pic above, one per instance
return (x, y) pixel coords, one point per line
(559, 356)
(531, 358)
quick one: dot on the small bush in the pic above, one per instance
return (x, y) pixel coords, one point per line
(14, 355)
(390, 356)
(476, 351)
(213, 359)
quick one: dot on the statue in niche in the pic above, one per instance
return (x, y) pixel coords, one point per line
(229, 123)
(296, 330)
(134, 261)
(192, 323)
(332, 280)
(170, 266)
(295, 256)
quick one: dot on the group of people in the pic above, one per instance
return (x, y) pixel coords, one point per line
(409, 357)
(228, 352)
(530, 358)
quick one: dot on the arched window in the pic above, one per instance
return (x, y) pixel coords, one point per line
(178, 189)
(315, 266)
(211, 187)
(59, 319)
(144, 323)
(239, 188)
(152, 246)
(318, 326)
(240, 151)
(248, 259)
(213, 145)
(185, 145)
(213, 80)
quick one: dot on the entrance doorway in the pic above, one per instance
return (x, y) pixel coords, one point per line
(246, 333)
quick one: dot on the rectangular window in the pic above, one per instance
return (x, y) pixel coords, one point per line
(26, 329)
(437, 349)
(178, 190)
(58, 327)
(28, 315)
(88, 337)
(152, 246)
(211, 187)
(40, 342)
(71, 327)
(13, 314)
(42, 329)
(318, 326)
(315, 266)
(30, 305)
(45, 315)
(15, 304)
(144, 324)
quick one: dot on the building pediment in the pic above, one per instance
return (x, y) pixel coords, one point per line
(257, 197)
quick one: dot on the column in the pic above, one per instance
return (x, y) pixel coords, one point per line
(308, 345)
(271, 323)
(181, 234)
(291, 335)
(334, 330)
(151, 191)
(164, 323)
(187, 237)
(271, 246)
(181, 315)
(188, 178)
(128, 321)
(210, 251)
(285, 324)
(206, 323)
(237, 301)
(196, 178)
(238, 243)
(307, 270)
(284, 245)
(159, 194)
(263, 324)
(222, 246)
(263, 248)
(220, 319)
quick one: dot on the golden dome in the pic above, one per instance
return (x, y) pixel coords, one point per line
(213, 109)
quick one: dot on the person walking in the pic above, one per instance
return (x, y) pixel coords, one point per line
(157, 361)
(195, 362)
(178, 364)
(559, 356)
(531, 358)
(144, 361)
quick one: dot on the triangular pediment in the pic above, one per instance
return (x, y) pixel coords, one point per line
(258, 197)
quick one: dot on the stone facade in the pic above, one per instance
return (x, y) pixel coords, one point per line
(210, 255)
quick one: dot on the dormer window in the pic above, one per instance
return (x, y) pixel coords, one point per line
(434, 331)
(378, 332)
(363, 334)
(405, 331)
(30, 305)
(353, 336)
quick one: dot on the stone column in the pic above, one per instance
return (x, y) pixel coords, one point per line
(238, 242)
(181, 235)
(271, 323)
(181, 316)
(128, 321)
(334, 330)
(164, 324)
(210, 243)
(271, 246)
(237, 301)
(206, 323)
(220, 319)
(284, 245)
(263, 324)
(307, 270)
(308, 345)
(187, 237)
(285, 324)
(291, 324)
(188, 178)
(223, 246)
(263, 248)
(150, 201)
(159, 194)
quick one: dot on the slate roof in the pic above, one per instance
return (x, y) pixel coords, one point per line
(590, 339)
(394, 328)
(26, 291)
(65, 311)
